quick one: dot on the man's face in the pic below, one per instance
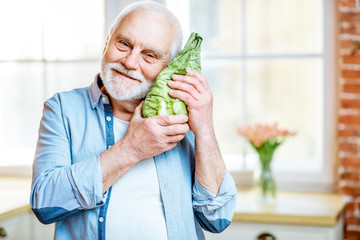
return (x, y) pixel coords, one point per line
(136, 53)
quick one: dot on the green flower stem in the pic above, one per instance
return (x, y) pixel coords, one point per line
(266, 181)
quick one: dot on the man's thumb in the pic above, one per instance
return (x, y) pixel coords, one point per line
(137, 112)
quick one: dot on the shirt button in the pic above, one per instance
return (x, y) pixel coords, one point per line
(108, 118)
(101, 219)
(103, 99)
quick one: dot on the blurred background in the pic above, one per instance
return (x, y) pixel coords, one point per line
(266, 61)
(294, 62)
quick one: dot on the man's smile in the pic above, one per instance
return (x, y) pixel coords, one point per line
(125, 75)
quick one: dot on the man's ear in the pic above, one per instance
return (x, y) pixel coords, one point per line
(106, 43)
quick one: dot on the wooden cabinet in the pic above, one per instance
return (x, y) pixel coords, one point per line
(15, 227)
(253, 231)
(24, 226)
(295, 216)
(17, 222)
(39, 230)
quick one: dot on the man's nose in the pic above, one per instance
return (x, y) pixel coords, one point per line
(131, 60)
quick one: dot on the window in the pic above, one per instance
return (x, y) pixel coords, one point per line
(270, 61)
(47, 46)
(265, 60)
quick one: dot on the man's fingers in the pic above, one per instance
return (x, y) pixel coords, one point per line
(197, 75)
(177, 138)
(193, 78)
(189, 80)
(176, 129)
(185, 88)
(187, 98)
(166, 120)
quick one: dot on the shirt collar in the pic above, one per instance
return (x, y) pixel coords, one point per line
(95, 92)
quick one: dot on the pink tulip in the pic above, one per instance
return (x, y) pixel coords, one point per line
(260, 133)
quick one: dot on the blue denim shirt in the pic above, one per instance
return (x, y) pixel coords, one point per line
(67, 178)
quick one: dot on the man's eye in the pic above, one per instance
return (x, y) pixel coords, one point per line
(150, 55)
(122, 45)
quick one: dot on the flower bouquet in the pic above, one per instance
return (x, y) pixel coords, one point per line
(265, 139)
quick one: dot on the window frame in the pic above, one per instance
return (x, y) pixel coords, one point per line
(324, 180)
(321, 181)
(8, 167)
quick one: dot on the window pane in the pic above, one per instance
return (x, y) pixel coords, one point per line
(289, 92)
(21, 100)
(284, 26)
(219, 23)
(21, 28)
(74, 29)
(67, 76)
(51, 29)
(224, 78)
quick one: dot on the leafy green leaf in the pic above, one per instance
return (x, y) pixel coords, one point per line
(158, 101)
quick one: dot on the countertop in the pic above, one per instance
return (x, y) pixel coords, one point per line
(14, 196)
(299, 208)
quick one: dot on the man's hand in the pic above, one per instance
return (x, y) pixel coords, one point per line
(145, 137)
(194, 90)
(149, 137)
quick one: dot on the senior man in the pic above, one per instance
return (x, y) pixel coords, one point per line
(101, 169)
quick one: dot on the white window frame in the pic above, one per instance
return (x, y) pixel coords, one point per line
(7, 167)
(325, 179)
(320, 181)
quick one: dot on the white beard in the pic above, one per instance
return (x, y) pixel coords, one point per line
(122, 89)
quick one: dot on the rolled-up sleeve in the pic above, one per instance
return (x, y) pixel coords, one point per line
(215, 212)
(61, 189)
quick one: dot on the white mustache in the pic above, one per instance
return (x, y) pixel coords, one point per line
(129, 73)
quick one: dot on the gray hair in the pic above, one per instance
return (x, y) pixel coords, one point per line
(154, 7)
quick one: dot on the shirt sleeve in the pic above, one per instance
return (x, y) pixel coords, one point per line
(215, 212)
(61, 189)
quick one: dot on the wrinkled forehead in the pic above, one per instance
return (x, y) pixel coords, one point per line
(149, 21)
(148, 28)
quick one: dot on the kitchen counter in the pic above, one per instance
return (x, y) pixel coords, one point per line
(16, 218)
(14, 196)
(297, 208)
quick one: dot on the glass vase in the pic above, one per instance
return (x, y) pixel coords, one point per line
(267, 185)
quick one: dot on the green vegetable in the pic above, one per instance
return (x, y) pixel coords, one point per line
(158, 101)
